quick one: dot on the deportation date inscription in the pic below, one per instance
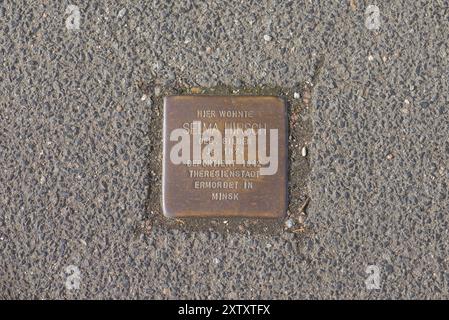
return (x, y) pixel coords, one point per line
(224, 156)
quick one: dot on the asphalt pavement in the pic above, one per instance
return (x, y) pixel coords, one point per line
(79, 121)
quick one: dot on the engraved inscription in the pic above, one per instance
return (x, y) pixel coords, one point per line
(230, 151)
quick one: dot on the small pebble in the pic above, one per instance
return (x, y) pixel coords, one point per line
(216, 260)
(296, 95)
(144, 97)
(150, 102)
(267, 37)
(121, 13)
(289, 223)
(370, 58)
(304, 151)
(306, 97)
(237, 83)
(171, 75)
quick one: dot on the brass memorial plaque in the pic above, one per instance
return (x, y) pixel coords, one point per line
(224, 156)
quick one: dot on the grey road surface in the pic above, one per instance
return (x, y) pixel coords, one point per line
(76, 135)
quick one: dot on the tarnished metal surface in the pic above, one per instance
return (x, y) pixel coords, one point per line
(204, 188)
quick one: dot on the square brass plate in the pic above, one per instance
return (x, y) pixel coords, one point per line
(224, 156)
